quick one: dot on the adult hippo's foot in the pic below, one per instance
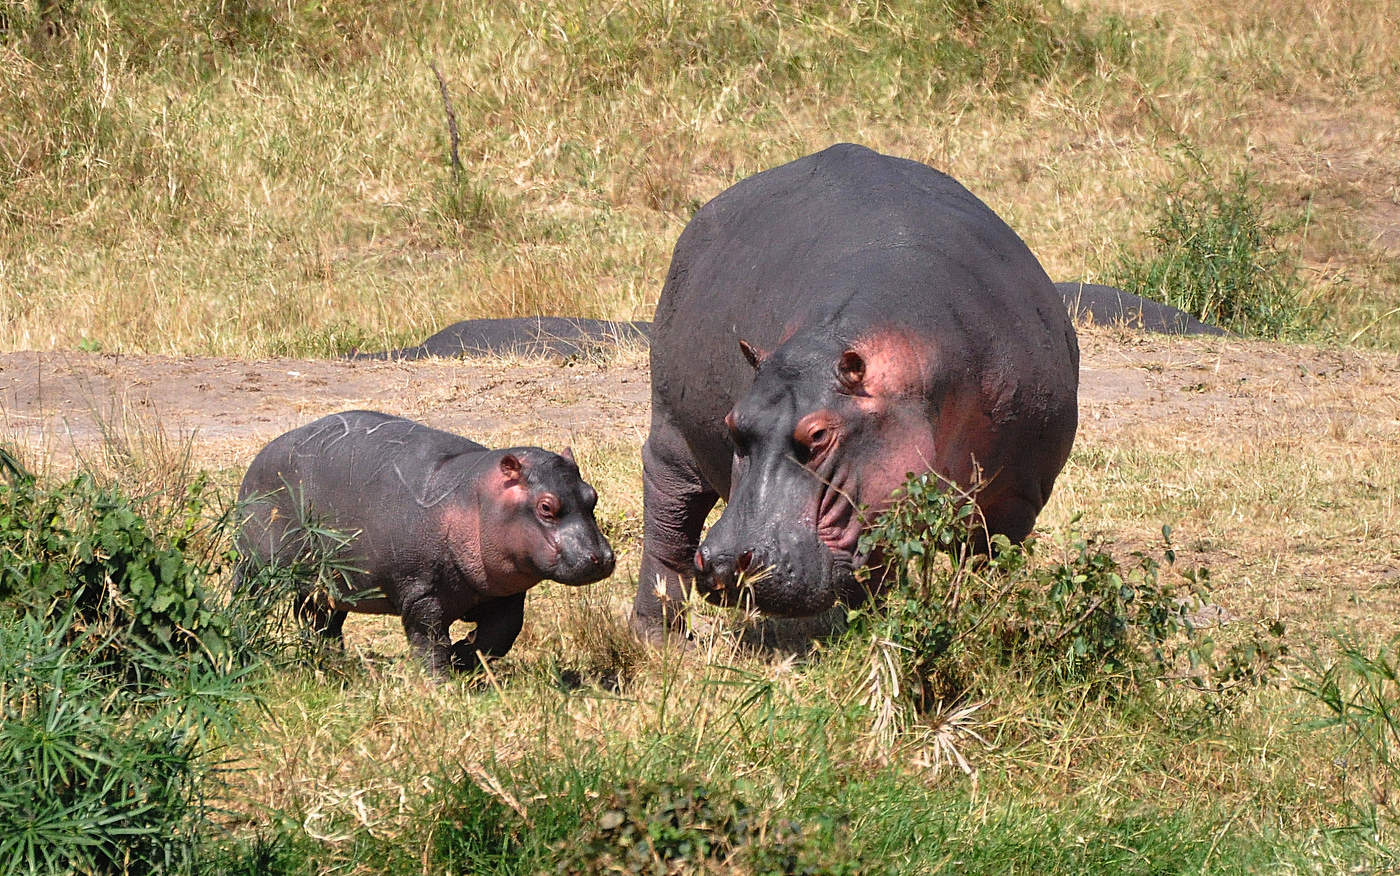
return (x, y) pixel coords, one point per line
(826, 328)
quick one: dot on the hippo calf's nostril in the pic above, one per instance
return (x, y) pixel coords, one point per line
(700, 560)
(744, 560)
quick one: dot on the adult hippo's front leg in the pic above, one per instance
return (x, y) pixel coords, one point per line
(675, 500)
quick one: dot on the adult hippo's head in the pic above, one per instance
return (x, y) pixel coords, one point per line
(828, 427)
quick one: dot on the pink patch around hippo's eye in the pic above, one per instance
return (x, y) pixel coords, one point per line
(816, 432)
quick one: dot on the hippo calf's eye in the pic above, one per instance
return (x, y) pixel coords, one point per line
(547, 508)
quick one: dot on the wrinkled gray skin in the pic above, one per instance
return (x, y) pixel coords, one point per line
(448, 530)
(1106, 305)
(560, 336)
(892, 323)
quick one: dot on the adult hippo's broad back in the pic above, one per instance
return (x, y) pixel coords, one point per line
(827, 327)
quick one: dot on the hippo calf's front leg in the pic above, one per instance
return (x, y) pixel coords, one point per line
(498, 624)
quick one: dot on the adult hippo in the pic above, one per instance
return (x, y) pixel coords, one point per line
(827, 327)
(1106, 305)
(561, 336)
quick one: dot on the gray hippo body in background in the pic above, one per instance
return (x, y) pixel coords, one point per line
(1105, 305)
(827, 327)
(567, 337)
(560, 336)
(444, 528)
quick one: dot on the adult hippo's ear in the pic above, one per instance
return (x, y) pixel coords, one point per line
(754, 355)
(850, 371)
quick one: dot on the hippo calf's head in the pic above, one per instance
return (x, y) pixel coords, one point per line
(544, 526)
(827, 427)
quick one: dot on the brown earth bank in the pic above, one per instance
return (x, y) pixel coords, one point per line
(1204, 432)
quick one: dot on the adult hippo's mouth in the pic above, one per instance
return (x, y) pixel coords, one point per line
(795, 567)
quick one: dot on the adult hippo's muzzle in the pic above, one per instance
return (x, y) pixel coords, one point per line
(765, 551)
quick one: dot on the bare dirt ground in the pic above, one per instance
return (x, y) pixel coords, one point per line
(61, 403)
(1226, 406)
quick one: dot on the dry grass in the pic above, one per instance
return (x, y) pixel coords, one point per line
(173, 194)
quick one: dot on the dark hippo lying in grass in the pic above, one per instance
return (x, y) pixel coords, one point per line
(567, 337)
(560, 336)
(826, 328)
(444, 528)
(1105, 305)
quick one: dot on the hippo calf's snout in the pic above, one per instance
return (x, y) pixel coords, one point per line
(593, 566)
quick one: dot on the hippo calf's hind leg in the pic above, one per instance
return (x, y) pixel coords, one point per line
(675, 500)
(426, 629)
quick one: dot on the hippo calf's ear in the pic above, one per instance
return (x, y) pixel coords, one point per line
(850, 371)
(568, 453)
(510, 466)
(754, 355)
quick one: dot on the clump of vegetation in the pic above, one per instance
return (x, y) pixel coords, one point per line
(953, 617)
(120, 671)
(682, 825)
(1358, 691)
(1215, 256)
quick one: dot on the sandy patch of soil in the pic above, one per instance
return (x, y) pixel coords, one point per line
(1204, 395)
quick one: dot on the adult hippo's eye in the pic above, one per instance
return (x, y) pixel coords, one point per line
(547, 508)
(814, 435)
(736, 435)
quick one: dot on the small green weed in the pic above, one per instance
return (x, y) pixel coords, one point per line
(1359, 695)
(1215, 256)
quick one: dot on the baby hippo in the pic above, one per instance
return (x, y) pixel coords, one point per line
(443, 528)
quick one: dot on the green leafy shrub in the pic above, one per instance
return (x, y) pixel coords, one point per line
(83, 546)
(121, 668)
(1215, 256)
(951, 615)
(1085, 618)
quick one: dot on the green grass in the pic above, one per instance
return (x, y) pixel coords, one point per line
(581, 747)
(1214, 256)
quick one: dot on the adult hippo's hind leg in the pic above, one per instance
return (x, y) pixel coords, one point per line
(675, 500)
